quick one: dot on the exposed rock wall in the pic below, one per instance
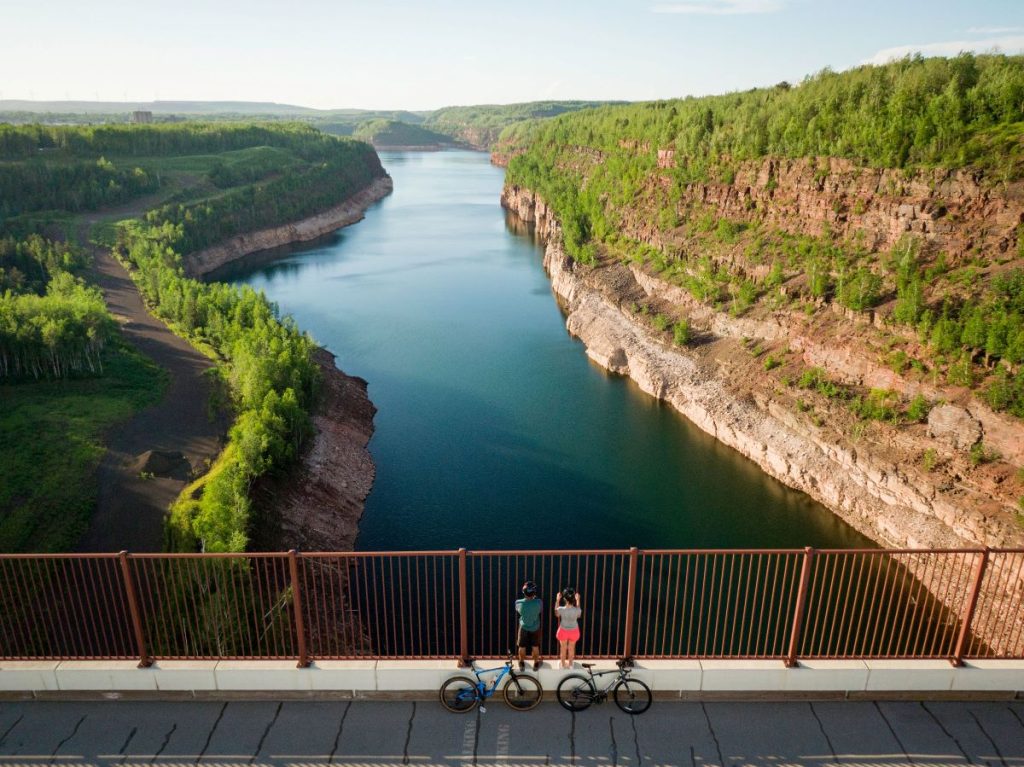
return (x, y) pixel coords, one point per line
(872, 491)
(955, 212)
(349, 212)
(317, 504)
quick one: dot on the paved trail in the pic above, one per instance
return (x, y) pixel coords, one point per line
(379, 734)
(130, 510)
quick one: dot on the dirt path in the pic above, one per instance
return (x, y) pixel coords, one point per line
(130, 509)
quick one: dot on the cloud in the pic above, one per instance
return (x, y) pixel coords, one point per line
(1007, 44)
(721, 7)
(993, 30)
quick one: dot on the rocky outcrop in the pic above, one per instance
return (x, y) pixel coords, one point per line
(317, 504)
(349, 212)
(870, 486)
(954, 212)
(954, 426)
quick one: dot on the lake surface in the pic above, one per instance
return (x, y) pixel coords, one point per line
(494, 430)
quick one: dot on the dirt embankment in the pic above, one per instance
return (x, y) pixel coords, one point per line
(869, 474)
(134, 490)
(316, 505)
(349, 212)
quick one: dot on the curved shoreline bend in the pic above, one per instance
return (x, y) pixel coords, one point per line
(352, 210)
(317, 503)
(889, 503)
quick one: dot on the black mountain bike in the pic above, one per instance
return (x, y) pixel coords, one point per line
(577, 692)
(462, 693)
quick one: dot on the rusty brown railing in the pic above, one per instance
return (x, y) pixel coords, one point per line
(785, 604)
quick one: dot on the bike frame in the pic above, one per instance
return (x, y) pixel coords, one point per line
(484, 689)
(621, 674)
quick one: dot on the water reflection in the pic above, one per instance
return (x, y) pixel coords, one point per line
(494, 430)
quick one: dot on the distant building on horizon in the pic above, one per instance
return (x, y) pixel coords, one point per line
(140, 117)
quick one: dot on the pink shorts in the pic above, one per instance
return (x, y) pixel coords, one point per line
(567, 635)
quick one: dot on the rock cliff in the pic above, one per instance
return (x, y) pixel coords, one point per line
(317, 504)
(348, 212)
(869, 474)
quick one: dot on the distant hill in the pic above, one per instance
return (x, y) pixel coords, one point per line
(480, 125)
(477, 126)
(156, 107)
(395, 133)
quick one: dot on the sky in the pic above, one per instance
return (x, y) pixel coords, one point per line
(400, 54)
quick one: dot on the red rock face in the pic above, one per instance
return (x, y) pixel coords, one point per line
(871, 475)
(955, 212)
(317, 504)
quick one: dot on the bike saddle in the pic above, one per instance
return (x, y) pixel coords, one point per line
(587, 665)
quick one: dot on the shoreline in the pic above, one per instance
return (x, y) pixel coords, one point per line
(317, 503)
(351, 211)
(880, 500)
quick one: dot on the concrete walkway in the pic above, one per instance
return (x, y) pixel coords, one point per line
(378, 733)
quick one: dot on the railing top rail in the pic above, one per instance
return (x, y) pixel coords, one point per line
(496, 552)
(70, 555)
(878, 552)
(372, 554)
(721, 551)
(545, 552)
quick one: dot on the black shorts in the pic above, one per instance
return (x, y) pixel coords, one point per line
(528, 639)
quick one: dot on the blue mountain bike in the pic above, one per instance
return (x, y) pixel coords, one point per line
(463, 693)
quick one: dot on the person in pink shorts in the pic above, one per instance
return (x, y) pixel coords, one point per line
(567, 610)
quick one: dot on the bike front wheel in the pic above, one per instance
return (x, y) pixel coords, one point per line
(576, 692)
(522, 692)
(632, 696)
(459, 694)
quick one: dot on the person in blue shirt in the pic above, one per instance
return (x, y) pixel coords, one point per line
(529, 610)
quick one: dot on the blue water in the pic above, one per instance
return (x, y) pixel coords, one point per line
(493, 429)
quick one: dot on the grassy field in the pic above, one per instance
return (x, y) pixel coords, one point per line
(51, 440)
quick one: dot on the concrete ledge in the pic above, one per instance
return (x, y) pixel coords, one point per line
(989, 675)
(670, 675)
(348, 675)
(104, 675)
(183, 675)
(688, 679)
(828, 675)
(23, 675)
(262, 675)
(903, 675)
(398, 675)
(735, 675)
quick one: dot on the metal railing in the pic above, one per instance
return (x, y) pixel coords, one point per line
(786, 604)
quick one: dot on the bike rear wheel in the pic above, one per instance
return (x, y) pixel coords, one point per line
(459, 694)
(522, 692)
(576, 692)
(632, 696)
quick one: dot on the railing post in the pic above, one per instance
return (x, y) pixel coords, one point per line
(300, 626)
(464, 659)
(801, 605)
(972, 602)
(627, 642)
(145, 661)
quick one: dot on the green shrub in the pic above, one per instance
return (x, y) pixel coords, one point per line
(918, 409)
(878, 405)
(859, 290)
(727, 231)
(980, 454)
(681, 334)
(930, 459)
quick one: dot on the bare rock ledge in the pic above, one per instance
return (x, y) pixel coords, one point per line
(349, 212)
(876, 496)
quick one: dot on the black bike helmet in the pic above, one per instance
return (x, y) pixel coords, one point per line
(529, 589)
(568, 593)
